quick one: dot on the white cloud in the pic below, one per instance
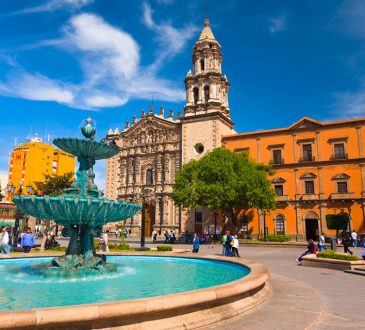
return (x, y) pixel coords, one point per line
(3, 179)
(350, 18)
(110, 60)
(349, 104)
(170, 39)
(165, 2)
(277, 24)
(53, 5)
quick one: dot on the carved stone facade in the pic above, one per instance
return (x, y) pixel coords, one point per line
(154, 147)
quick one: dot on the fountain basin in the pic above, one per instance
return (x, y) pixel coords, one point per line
(189, 309)
(76, 210)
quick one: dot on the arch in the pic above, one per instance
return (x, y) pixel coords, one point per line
(196, 94)
(279, 224)
(311, 215)
(206, 93)
(202, 65)
(149, 177)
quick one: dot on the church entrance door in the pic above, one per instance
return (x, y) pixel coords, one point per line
(150, 219)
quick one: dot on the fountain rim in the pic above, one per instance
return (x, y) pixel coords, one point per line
(251, 290)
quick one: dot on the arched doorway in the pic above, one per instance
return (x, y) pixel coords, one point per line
(311, 220)
(150, 219)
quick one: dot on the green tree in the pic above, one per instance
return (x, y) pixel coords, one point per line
(53, 185)
(226, 182)
(337, 222)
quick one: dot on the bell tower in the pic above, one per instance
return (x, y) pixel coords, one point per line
(206, 87)
(206, 112)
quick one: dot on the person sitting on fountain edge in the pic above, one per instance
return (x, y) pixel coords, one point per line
(27, 241)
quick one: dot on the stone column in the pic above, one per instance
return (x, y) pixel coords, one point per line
(258, 149)
(167, 168)
(123, 172)
(322, 210)
(359, 142)
(297, 188)
(298, 218)
(137, 171)
(294, 147)
(201, 91)
(319, 158)
(320, 179)
(159, 169)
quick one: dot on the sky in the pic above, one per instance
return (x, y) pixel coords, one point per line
(64, 60)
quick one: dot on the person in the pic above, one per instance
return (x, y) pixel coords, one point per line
(172, 236)
(154, 236)
(166, 236)
(5, 246)
(27, 241)
(104, 242)
(346, 243)
(321, 243)
(235, 246)
(228, 244)
(354, 238)
(310, 249)
(196, 243)
(224, 239)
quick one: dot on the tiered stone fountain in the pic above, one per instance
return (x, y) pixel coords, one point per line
(81, 210)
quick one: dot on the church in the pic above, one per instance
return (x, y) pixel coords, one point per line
(155, 146)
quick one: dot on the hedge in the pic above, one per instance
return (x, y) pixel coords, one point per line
(330, 254)
(278, 238)
(164, 248)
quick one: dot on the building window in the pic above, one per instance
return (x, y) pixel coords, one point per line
(198, 222)
(276, 156)
(309, 187)
(280, 224)
(202, 65)
(244, 224)
(149, 177)
(196, 94)
(307, 152)
(339, 151)
(199, 148)
(206, 94)
(279, 190)
(342, 187)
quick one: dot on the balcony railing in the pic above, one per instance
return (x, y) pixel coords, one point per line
(282, 198)
(309, 197)
(306, 159)
(276, 161)
(338, 157)
(342, 195)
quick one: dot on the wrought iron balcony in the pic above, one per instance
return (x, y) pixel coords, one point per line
(306, 159)
(338, 157)
(276, 161)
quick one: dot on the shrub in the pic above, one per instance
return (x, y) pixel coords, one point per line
(124, 246)
(112, 246)
(164, 248)
(330, 254)
(278, 238)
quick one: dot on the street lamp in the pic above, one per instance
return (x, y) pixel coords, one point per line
(30, 190)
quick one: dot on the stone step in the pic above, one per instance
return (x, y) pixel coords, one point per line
(361, 269)
(356, 272)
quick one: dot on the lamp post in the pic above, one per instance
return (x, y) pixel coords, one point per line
(264, 212)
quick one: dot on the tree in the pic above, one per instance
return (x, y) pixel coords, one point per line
(226, 182)
(337, 222)
(53, 185)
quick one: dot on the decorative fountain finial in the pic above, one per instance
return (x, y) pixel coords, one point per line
(88, 131)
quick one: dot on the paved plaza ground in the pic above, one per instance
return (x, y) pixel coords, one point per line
(303, 297)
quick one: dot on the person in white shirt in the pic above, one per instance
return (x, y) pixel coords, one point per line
(5, 247)
(321, 243)
(235, 246)
(354, 238)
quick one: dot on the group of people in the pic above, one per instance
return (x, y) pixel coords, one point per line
(170, 237)
(27, 240)
(230, 244)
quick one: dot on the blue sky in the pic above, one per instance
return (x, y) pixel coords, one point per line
(64, 60)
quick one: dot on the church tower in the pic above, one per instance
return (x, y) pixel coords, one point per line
(206, 113)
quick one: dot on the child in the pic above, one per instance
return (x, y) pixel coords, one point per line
(196, 243)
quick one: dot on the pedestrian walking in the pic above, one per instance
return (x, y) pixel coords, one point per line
(321, 243)
(104, 242)
(154, 236)
(5, 246)
(235, 246)
(228, 244)
(354, 238)
(346, 243)
(224, 239)
(166, 237)
(310, 249)
(196, 243)
(27, 241)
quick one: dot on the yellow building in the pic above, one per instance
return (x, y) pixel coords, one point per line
(30, 161)
(319, 169)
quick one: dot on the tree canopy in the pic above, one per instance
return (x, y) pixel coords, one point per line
(224, 181)
(54, 185)
(337, 222)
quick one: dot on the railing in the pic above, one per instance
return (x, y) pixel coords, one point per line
(276, 161)
(342, 195)
(306, 159)
(338, 156)
(282, 198)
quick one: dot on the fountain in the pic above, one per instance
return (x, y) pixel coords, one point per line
(81, 210)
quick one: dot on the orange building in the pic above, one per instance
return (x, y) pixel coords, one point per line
(319, 170)
(31, 160)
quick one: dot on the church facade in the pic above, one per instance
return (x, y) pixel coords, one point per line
(155, 147)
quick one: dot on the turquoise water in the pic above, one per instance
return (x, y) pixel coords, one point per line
(32, 283)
